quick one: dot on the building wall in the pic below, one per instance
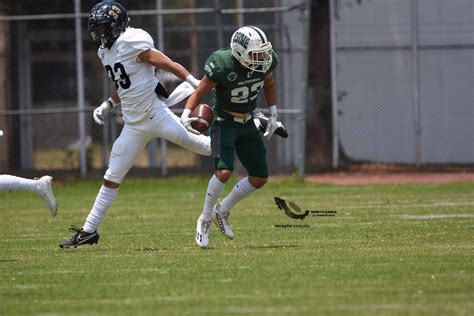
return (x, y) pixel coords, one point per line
(379, 76)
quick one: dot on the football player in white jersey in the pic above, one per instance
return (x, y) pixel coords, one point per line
(130, 59)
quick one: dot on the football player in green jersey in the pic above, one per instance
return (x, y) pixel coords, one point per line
(236, 74)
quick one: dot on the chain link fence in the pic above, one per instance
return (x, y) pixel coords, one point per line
(52, 79)
(403, 78)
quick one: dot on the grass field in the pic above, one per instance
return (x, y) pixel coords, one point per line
(390, 250)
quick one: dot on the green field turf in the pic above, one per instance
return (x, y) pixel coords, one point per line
(390, 250)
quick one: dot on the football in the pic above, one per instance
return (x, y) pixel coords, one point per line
(204, 114)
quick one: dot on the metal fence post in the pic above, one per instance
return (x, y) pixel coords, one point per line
(416, 81)
(153, 143)
(26, 100)
(161, 47)
(306, 39)
(220, 33)
(240, 16)
(80, 86)
(334, 107)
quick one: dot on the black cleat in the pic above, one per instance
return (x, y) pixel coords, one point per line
(260, 121)
(80, 238)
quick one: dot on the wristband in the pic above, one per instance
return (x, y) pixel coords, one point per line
(273, 111)
(112, 102)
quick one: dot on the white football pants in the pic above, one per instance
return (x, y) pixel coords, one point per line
(160, 122)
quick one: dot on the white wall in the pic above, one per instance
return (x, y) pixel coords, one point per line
(375, 73)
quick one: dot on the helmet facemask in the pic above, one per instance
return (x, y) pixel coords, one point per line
(103, 34)
(259, 60)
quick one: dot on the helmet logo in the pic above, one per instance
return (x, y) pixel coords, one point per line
(242, 39)
(114, 12)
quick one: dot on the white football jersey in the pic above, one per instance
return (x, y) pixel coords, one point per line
(135, 81)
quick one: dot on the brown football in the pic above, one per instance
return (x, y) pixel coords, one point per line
(204, 114)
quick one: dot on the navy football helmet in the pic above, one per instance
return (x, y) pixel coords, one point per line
(107, 20)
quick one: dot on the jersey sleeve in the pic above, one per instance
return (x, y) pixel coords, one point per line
(138, 41)
(212, 68)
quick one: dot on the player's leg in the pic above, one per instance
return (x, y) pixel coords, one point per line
(42, 186)
(125, 151)
(168, 126)
(252, 153)
(222, 141)
(223, 151)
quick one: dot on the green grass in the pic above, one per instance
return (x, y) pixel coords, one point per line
(373, 257)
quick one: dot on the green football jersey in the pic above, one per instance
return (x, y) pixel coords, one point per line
(237, 87)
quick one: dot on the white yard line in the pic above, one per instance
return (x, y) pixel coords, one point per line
(434, 216)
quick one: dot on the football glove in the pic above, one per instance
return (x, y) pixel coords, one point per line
(187, 120)
(261, 120)
(100, 112)
(272, 122)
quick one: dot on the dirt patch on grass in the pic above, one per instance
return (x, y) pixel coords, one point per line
(359, 177)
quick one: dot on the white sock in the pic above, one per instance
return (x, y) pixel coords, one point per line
(102, 203)
(214, 191)
(241, 190)
(10, 183)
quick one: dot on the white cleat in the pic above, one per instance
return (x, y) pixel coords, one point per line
(222, 221)
(202, 232)
(46, 193)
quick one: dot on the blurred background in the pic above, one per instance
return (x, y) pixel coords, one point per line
(359, 81)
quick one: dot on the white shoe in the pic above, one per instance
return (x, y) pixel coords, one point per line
(222, 221)
(202, 232)
(46, 193)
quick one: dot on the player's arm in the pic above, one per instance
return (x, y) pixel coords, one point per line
(270, 90)
(115, 97)
(271, 96)
(202, 90)
(159, 60)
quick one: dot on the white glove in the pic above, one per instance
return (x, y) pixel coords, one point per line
(272, 124)
(193, 81)
(102, 110)
(187, 120)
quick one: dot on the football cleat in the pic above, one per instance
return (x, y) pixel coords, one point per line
(46, 193)
(222, 221)
(80, 238)
(202, 232)
(261, 120)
